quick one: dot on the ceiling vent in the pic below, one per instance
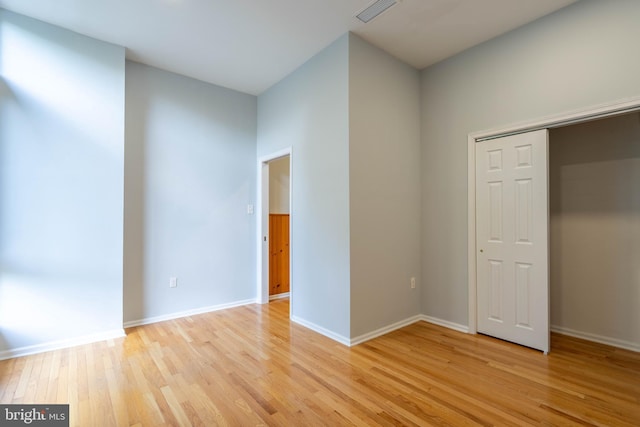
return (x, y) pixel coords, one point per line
(375, 9)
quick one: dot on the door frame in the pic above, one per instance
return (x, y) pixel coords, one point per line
(596, 112)
(262, 224)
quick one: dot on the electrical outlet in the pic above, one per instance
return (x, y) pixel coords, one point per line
(173, 282)
(413, 283)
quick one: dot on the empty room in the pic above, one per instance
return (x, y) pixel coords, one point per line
(322, 212)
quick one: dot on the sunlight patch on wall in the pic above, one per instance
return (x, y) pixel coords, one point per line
(44, 79)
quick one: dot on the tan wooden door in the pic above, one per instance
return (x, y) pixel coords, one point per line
(278, 253)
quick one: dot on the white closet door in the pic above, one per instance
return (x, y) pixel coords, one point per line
(512, 222)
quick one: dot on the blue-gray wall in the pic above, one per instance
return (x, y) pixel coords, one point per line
(352, 117)
(309, 111)
(384, 188)
(189, 168)
(579, 57)
(189, 176)
(61, 185)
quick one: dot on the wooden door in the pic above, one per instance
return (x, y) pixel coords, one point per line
(512, 238)
(278, 254)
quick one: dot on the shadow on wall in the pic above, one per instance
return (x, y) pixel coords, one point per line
(594, 169)
(3, 343)
(610, 150)
(134, 209)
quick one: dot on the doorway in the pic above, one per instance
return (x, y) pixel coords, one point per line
(279, 224)
(274, 201)
(561, 121)
(594, 171)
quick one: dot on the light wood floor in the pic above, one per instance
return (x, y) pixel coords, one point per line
(251, 366)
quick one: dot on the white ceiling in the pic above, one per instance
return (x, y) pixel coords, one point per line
(248, 45)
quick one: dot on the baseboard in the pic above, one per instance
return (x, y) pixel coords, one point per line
(322, 331)
(384, 330)
(60, 344)
(627, 345)
(279, 296)
(186, 313)
(445, 323)
(378, 332)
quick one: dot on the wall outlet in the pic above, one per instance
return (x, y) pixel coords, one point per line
(249, 209)
(413, 283)
(173, 282)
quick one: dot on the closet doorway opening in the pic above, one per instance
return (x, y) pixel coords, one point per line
(594, 217)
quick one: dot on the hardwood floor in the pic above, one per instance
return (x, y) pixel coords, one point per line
(251, 366)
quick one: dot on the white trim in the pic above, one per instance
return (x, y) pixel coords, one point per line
(262, 212)
(571, 117)
(186, 313)
(594, 112)
(262, 205)
(445, 323)
(471, 227)
(381, 331)
(61, 344)
(615, 342)
(385, 330)
(279, 296)
(322, 331)
(275, 155)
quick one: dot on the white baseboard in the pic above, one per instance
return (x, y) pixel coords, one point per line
(319, 329)
(186, 313)
(279, 296)
(615, 342)
(60, 344)
(385, 330)
(381, 331)
(445, 323)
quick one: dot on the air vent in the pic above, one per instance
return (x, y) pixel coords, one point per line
(375, 9)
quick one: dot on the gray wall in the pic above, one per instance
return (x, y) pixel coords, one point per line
(189, 175)
(349, 115)
(578, 57)
(594, 171)
(309, 112)
(384, 183)
(61, 181)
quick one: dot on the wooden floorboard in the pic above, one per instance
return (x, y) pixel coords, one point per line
(251, 366)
